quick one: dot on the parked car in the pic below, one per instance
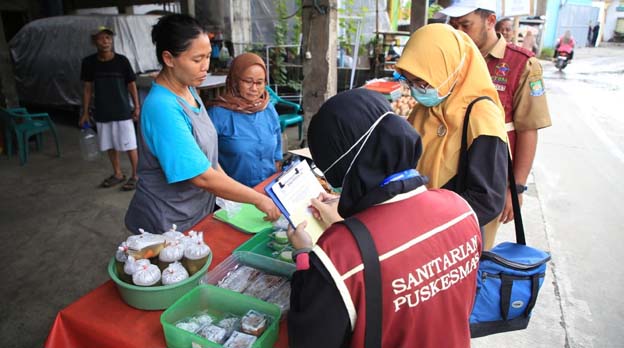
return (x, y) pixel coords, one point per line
(47, 54)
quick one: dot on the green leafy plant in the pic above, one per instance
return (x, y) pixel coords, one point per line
(349, 26)
(433, 9)
(547, 53)
(279, 73)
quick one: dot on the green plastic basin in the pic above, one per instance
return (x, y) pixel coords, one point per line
(154, 297)
(216, 302)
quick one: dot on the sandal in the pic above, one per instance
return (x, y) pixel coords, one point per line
(112, 181)
(130, 184)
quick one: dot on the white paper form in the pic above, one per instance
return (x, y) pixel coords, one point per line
(295, 189)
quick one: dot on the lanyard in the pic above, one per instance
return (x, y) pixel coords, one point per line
(404, 175)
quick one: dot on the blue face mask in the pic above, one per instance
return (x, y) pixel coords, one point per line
(429, 99)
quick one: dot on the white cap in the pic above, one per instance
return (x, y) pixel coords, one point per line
(463, 7)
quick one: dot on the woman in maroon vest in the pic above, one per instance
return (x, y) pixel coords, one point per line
(428, 241)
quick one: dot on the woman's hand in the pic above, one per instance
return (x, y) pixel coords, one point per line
(267, 206)
(299, 238)
(325, 209)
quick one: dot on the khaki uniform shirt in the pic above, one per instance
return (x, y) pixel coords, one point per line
(530, 109)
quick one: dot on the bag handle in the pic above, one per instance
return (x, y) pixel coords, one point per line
(515, 203)
(372, 281)
(462, 169)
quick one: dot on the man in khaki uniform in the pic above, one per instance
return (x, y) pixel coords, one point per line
(517, 75)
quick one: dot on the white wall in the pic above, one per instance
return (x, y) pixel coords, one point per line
(611, 19)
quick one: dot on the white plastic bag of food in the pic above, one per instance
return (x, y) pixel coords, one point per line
(231, 208)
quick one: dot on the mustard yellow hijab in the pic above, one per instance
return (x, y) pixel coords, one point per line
(434, 53)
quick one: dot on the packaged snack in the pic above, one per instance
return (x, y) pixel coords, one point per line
(240, 340)
(281, 298)
(280, 236)
(239, 279)
(187, 325)
(132, 265)
(173, 234)
(203, 319)
(121, 256)
(276, 246)
(213, 333)
(281, 223)
(146, 275)
(174, 273)
(190, 238)
(285, 255)
(195, 254)
(230, 323)
(146, 245)
(254, 323)
(172, 252)
(264, 285)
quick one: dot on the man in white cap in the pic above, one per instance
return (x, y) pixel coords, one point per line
(517, 75)
(108, 76)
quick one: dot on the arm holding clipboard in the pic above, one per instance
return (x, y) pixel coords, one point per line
(293, 193)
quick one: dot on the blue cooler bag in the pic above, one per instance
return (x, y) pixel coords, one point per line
(511, 274)
(509, 278)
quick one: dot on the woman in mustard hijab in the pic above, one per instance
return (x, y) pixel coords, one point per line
(445, 73)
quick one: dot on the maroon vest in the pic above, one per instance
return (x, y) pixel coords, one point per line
(506, 74)
(429, 247)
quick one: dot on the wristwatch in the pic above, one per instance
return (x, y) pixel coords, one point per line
(521, 188)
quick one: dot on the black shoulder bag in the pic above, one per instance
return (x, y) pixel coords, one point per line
(372, 281)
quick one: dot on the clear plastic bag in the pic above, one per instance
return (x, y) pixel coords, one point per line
(174, 273)
(231, 208)
(240, 340)
(146, 275)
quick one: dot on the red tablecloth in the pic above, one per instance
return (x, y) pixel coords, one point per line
(102, 319)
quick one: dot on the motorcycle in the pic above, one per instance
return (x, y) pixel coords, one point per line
(562, 60)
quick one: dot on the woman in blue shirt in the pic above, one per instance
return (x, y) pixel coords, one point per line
(178, 167)
(250, 139)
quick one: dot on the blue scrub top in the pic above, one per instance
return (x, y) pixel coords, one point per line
(249, 144)
(168, 133)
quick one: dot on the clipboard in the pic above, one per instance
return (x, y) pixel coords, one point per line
(292, 191)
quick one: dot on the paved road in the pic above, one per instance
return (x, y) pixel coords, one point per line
(574, 208)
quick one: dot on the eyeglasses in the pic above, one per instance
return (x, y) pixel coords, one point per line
(419, 84)
(249, 82)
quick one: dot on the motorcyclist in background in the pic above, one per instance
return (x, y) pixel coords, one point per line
(565, 44)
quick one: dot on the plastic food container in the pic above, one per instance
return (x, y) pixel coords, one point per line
(256, 252)
(218, 302)
(155, 297)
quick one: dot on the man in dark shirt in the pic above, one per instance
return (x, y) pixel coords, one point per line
(109, 78)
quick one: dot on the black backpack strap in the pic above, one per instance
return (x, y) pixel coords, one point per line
(520, 239)
(462, 168)
(372, 281)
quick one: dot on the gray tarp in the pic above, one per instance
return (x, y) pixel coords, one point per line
(47, 53)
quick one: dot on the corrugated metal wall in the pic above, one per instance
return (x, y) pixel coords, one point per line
(576, 18)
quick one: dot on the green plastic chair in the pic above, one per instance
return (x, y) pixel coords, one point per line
(24, 125)
(287, 120)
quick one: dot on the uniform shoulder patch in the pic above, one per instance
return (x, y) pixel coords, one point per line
(537, 88)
